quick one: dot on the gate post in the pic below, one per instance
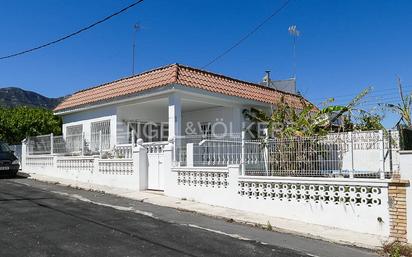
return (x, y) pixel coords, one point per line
(140, 167)
(189, 155)
(242, 156)
(23, 155)
(170, 184)
(405, 165)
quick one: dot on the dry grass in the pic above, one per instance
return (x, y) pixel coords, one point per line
(397, 249)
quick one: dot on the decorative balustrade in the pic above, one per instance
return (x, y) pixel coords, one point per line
(39, 161)
(155, 147)
(75, 164)
(113, 166)
(124, 151)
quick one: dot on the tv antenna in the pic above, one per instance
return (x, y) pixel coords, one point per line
(294, 32)
(136, 28)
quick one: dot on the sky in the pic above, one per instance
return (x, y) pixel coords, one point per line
(343, 47)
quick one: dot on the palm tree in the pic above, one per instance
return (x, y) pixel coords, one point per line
(403, 108)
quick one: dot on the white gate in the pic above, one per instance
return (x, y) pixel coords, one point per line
(155, 156)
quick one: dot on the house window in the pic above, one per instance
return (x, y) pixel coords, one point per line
(149, 131)
(100, 131)
(74, 137)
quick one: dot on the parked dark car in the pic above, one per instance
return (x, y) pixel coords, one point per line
(9, 164)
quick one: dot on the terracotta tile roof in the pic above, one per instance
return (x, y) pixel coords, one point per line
(177, 74)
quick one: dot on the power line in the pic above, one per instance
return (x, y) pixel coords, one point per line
(72, 34)
(349, 96)
(368, 97)
(278, 10)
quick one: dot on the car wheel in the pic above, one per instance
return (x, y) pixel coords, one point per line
(12, 174)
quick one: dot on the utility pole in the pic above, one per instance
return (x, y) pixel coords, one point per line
(294, 32)
(136, 27)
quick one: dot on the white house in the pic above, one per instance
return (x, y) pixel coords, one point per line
(157, 130)
(164, 103)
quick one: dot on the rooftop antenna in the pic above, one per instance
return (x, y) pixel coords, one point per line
(136, 27)
(294, 32)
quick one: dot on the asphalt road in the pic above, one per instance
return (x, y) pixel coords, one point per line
(39, 219)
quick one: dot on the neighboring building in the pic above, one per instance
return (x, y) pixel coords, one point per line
(164, 103)
(285, 85)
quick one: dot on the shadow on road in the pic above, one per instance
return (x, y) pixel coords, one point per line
(20, 175)
(91, 220)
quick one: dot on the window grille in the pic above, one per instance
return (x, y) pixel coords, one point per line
(74, 138)
(100, 131)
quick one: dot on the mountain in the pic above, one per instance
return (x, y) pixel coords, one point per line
(14, 96)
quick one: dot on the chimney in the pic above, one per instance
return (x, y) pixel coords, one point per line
(266, 79)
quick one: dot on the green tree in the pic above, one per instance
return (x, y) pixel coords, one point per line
(368, 121)
(285, 121)
(20, 122)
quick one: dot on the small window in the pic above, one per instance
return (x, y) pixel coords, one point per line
(100, 131)
(206, 130)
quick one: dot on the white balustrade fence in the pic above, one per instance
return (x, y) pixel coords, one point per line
(75, 163)
(114, 166)
(39, 161)
(89, 170)
(155, 147)
(123, 151)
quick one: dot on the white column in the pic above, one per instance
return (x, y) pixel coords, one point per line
(175, 115)
(243, 158)
(382, 138)
(352, 169)
(51, 143)
(140, 165)
(23, 155)
(266, 151)
(189, 155)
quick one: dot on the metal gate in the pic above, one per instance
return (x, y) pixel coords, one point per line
(155, 156)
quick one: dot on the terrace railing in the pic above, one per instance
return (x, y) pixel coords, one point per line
(351, 154)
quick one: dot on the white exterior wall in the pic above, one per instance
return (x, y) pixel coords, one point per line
(140, 113)
(224, 187)
(86, 118)
(231, 117)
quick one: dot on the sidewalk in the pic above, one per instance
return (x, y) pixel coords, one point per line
(278, 224)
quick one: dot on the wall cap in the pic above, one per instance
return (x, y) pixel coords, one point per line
(399, 182)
